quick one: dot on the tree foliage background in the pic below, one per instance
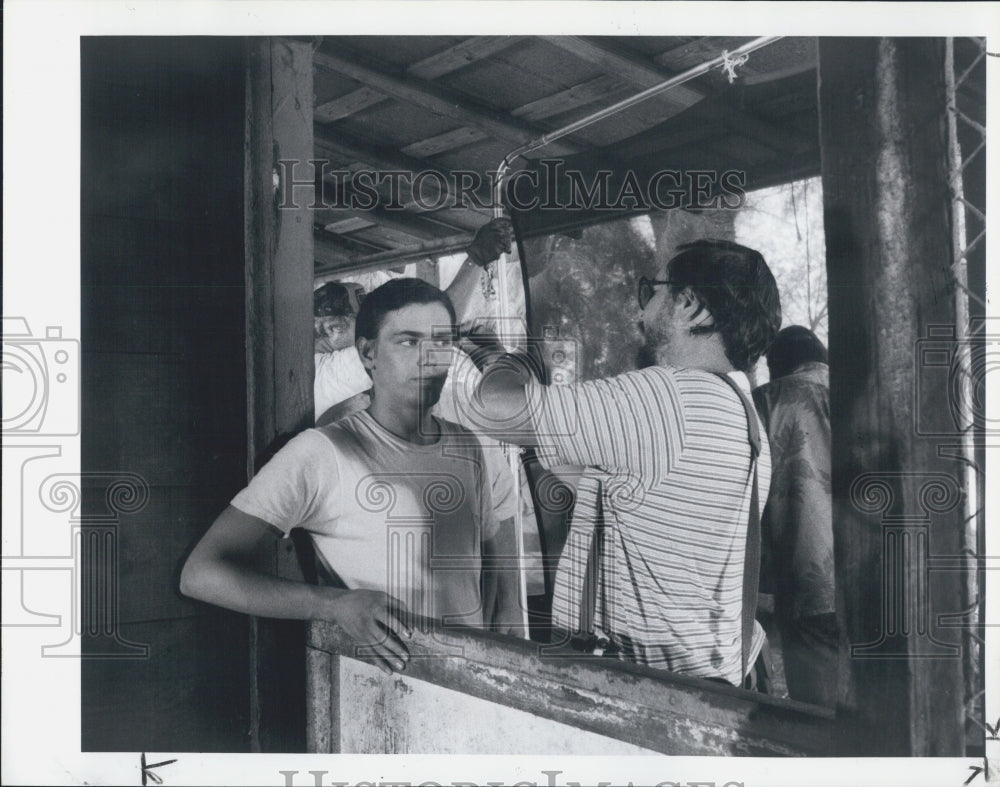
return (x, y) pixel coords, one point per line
(585, 290)
(785, 224)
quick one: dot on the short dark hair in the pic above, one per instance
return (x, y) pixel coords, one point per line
(392, 296)
(794, 346)
(737, 288)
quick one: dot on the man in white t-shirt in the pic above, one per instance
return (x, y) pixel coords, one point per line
(398, 502)
(340, 382)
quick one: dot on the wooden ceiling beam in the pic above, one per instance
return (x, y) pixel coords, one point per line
(350, 148)
(462, 54)
(751, 73)
(409, 218)
(347, 105)
(429, 249)
(331, 249)
(645, 74)
(437, 65)
(440, 143)
(412, 225)
(690, 54)
(435, 99)
(566, 100)
(628, 68)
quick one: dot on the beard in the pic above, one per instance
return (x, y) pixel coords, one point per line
(645, 356)
(653, 350)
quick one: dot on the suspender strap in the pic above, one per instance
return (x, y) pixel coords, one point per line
(751, 559)
(588, 604)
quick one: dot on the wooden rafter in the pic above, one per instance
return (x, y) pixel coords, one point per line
(354, 149)
(694, 52)
(644, 74)
(568, 99)
(436, 99)
(691, 53)
(461, 55)
(349, 148)
(449, 245)
(330, 248)
(449, 140)
(437, 65)
(347, 105)
(627, 68)
(414, 226)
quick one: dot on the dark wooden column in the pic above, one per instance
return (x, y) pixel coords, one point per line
(163, 381)
(896, 498)
(279, 273)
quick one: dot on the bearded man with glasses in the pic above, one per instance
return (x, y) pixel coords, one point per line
(654, 563)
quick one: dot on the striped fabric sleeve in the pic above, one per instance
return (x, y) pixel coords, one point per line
(633, 422)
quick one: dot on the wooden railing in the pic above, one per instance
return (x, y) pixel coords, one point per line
(580, 704)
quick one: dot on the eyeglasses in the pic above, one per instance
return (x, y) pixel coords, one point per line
(647, 291)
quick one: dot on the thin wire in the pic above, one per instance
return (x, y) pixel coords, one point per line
(726, 58)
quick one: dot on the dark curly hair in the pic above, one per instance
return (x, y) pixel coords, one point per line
(794, 346)
(392, 296)
(734, 284)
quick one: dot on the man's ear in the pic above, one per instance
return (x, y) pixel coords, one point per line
(367, 350)
(692, 309)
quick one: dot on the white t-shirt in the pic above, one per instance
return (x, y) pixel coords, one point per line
(386, 514)
(339, 376)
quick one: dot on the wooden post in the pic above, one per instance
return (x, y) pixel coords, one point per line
(897, 497)
(279, 269)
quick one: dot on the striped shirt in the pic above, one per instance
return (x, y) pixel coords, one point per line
(668, 477)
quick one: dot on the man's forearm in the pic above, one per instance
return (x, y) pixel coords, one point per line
(241, 588)
(464, 285)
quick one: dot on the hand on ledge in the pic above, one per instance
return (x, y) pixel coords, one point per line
(371, 619)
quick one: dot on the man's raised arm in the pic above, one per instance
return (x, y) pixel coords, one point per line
(500, 404)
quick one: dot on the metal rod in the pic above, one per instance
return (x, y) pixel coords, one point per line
(613, 109)
(456, 243)
(968, 472)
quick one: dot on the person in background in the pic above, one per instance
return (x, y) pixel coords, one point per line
(797, 524)
(663, 504)
(340, 384)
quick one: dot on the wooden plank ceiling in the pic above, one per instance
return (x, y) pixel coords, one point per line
(450, 104)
